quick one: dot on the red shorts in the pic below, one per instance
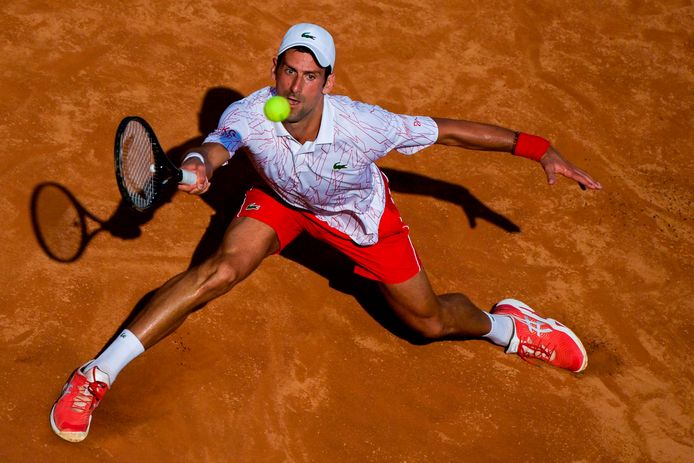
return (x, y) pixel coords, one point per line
(391, 260)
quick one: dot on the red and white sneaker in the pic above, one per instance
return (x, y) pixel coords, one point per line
(72, 412)
(540, 338)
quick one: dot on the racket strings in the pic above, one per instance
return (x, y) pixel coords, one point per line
(138, 164)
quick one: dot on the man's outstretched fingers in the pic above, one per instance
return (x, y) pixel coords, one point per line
(584, 179)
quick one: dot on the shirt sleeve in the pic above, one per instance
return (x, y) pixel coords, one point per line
(410, 134)
(231, 129)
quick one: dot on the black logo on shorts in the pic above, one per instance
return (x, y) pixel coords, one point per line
(253, 207)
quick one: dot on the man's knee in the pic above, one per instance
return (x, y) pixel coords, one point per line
(417, 305)
(220, 275)
(428, 327)
(426, 321)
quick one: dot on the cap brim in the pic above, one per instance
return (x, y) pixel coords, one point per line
(322, 60)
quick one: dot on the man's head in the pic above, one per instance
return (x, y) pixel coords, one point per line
(303, 68)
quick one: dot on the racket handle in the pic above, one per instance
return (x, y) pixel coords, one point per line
(188, 177)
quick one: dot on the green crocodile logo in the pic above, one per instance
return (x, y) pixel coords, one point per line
(338, 166)
(307, 35)
(252, 207)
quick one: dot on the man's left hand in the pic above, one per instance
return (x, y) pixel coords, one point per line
(553, 163)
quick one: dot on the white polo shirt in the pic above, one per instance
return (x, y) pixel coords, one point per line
(333, 177)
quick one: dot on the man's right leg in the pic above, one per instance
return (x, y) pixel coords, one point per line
(246, 243)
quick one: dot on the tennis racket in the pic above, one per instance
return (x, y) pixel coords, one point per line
(142, 168)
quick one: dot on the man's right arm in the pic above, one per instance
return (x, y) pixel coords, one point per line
(203, 160)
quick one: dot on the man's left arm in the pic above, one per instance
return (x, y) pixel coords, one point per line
(486, 137)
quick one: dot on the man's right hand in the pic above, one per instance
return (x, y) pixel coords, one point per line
(200, 169)
(215, 155)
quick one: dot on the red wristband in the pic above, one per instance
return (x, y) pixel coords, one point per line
(531, 146)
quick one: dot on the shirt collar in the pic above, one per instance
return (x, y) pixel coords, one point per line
(326, 132)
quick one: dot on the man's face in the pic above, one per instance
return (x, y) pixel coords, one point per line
(301, 81)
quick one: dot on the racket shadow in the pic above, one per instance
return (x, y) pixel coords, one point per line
(59, 222)
(63, 226)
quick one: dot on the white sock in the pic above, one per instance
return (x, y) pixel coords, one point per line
(502, 329)
(118, 354)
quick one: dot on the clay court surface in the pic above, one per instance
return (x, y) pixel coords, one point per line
(302, 362)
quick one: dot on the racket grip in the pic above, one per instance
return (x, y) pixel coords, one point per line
(188, 177)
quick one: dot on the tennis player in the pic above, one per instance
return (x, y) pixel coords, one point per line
(320, 177)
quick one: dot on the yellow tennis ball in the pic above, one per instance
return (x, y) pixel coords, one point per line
(277, 108)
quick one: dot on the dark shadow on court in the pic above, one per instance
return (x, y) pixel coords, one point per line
(339, 271)
(411, 183)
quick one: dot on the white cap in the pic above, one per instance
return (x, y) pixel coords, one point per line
(313, 37)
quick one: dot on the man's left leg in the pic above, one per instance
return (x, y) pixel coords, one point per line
(437, 316)
(510, 323)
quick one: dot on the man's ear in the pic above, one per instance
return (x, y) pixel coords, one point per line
(329, 84)
(274, 67)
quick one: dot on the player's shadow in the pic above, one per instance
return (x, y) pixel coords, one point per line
(339, 271)
(229, 183)
(411, 183)
(226, 196)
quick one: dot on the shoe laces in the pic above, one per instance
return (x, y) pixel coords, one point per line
(89, 395)
(528, 351)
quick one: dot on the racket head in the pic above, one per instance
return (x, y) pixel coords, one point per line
(142, 168)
